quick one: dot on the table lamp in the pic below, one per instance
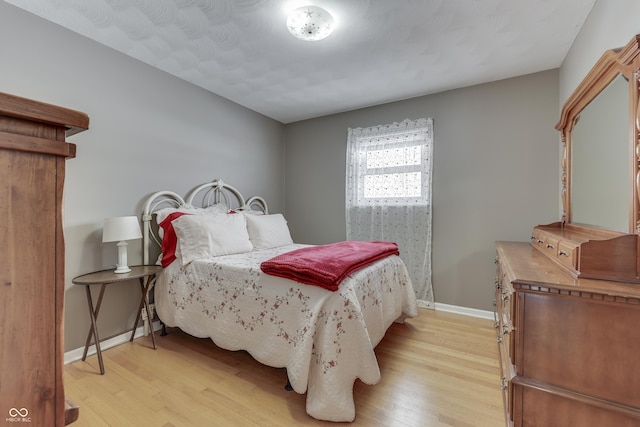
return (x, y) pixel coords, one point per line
(120, 229)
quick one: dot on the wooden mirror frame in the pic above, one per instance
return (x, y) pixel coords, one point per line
(592, 252)
(625, 61)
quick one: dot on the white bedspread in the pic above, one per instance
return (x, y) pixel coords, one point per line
(324, 339)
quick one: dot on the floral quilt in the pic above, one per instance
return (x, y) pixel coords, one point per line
(324, 339)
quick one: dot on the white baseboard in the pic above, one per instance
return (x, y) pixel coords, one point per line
(426, 304)
(473, 312)
(73, 355)
(466, 311)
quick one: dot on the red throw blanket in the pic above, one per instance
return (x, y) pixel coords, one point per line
(327, 265)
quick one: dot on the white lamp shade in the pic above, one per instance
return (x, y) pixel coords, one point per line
(121, 228)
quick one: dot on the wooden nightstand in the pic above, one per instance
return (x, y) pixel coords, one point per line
(104, 278)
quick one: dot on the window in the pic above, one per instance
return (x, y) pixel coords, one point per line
(392, 164)
(388, 193)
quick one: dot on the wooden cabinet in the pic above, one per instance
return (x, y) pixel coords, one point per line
(32, 165)
(569, 347)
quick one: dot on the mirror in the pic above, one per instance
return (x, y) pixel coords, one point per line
(600, 130)
(600, 181)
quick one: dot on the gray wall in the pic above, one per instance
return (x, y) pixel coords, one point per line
(611, 24)
(149, 131)
(495, 175)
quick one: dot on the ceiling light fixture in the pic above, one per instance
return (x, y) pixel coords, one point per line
(310, 23)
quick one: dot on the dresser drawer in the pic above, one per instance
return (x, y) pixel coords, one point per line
(562, 251)
(568, 255)
(546, 242)
(540, 406)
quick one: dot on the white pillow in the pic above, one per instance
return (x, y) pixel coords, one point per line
(162, 214)
(268, 231)
(207, 236)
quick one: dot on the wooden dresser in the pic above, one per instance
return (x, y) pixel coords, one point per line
(569, 347)
(32, 165)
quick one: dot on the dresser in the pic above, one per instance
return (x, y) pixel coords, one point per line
(569, 347)
(33, 152)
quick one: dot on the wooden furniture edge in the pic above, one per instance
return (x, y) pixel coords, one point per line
(32, 144)
(579, 397)
(71, 412)
(15, 106)
(611, 63)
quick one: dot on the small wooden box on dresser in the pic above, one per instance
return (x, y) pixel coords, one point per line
(569, 347)
(32, 165)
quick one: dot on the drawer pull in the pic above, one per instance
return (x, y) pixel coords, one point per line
(565, 253)
(499, 339)
(550, 246)
(540, 241)
(505, 296)
(505, 330)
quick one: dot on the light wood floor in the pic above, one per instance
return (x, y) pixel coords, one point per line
(439, 369)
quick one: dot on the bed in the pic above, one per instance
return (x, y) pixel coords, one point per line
(325, 339)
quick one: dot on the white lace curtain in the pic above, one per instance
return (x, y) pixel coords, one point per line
(388, 193)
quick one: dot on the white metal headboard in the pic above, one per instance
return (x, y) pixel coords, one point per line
(213, 193)
(155, 202)
(202, 196)
(256, 201)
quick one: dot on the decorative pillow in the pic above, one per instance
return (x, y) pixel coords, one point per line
(207, 236)
(169, 238)
(252, 212)
(164, 217)
(162, 214)
(268, 231)
(216, 209)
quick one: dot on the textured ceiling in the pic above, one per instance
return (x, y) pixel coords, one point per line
(380, 51)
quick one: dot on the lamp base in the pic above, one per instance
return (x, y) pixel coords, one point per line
(124, 269)
(122, 258)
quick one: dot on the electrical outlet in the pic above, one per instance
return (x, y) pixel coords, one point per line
(152, 311)
(144, 314)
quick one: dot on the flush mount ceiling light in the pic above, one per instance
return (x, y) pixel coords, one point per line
(310, 23)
